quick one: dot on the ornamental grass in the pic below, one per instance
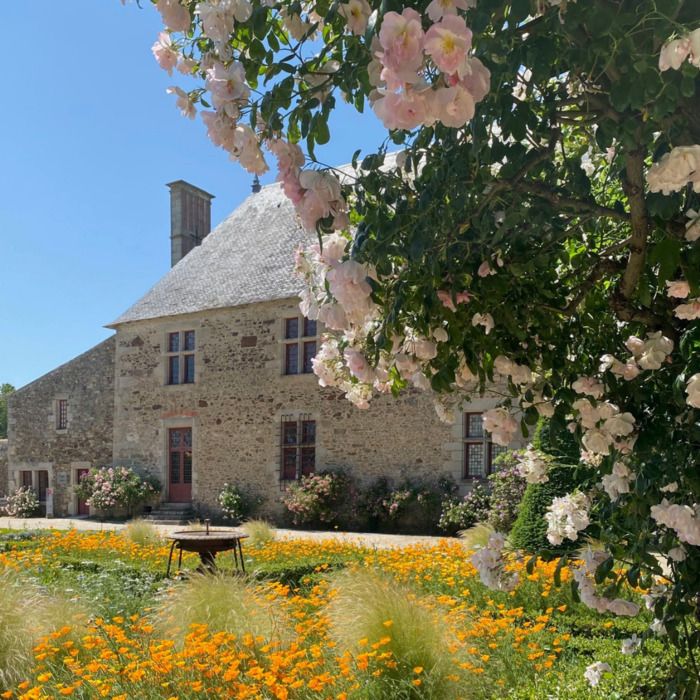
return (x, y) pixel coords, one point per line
(391, 628)
(259, 532)
(27, 613)
(142, 532)
(219, 602)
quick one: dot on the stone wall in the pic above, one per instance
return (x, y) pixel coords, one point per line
(236, 405)
(35, 441)
(3, 468)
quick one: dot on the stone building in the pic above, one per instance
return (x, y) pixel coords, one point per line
(207, 379)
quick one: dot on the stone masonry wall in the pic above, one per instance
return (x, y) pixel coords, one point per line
(3, 468)
(236, 404)
(36, 443)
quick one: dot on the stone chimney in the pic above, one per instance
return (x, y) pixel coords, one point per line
(190, 218)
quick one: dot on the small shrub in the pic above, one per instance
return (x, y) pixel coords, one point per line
(141, 532)
(23, 503)
(319, 499)
(235, 504)
(110, 488)
(224, 603)
(259, 532)
(507, 489)
(460, 515)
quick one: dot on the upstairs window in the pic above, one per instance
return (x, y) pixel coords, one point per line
(180, 357)
(62, 414)
(299, 345)
(298, 448)
(479, 450)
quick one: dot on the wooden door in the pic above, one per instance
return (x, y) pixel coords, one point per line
(83, 508)
(180, 465)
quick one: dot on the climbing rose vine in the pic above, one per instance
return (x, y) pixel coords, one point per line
(528, 227)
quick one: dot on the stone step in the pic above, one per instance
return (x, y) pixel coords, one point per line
(157, 515)
(173, 506)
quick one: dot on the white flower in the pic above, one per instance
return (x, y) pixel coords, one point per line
(675, 170)
(501, 425)
(618, 482)
(631, 645)
(566, 517)
(689, 311)
(684, 519)
(595, 671)
(670, 488)
(692, 227)
(588, 385)
(692, 388)
(488, 561)
(532, 467)
(485, 320)
(620, 425)
(654, 351)
(597, 442)
(658, 628)
(678, 289)
(677, 553)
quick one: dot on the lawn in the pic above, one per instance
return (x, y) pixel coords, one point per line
(90, 615)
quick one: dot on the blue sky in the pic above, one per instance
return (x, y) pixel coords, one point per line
(88, 139)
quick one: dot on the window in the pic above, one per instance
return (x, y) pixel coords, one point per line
(479, 451)
(298, 449)
(299, 345)
(25, 478)
(180, 357)
(62, 414)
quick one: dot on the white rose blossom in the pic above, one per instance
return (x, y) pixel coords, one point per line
(594, 673)
(566, 517)
(532, 466)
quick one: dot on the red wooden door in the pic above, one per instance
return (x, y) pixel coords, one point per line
(83, 508)
(180, 465)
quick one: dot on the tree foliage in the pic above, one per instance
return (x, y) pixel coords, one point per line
(537, 232)
(5, 391)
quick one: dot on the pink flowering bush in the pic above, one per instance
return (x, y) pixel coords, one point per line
(109, 489)
(23, 503)
(319, 499)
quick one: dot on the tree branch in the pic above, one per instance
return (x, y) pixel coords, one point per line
(604, 267)
(633, 185)
(582, 206)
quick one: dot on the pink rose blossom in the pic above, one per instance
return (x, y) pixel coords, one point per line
(453, 106)
(356, 14)
(164, 52)
(402, 111)
(448, 43)
(184, 104)
(485, 320)
(476, 79)
(401, 38)
(678, 289)
(439, 8)
(485, 269)
(673, 54)
(175, 16)
(689, 311)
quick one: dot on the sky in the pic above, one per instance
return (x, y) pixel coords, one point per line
(88, 139)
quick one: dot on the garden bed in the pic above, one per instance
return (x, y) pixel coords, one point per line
(314, 619)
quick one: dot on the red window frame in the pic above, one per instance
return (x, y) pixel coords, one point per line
(299, 348)
(297, 448)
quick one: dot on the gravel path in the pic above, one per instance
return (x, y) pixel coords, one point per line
(366, 539)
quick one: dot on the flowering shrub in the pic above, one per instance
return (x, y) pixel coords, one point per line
(109, 488)
(411, 506)
(318, 498)
(507, 489)
(23, 503)
(235, 504)
(461, 515)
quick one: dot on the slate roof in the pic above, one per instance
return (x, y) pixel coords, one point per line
(249, 257)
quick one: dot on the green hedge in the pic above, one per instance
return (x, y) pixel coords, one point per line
(529, 531)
